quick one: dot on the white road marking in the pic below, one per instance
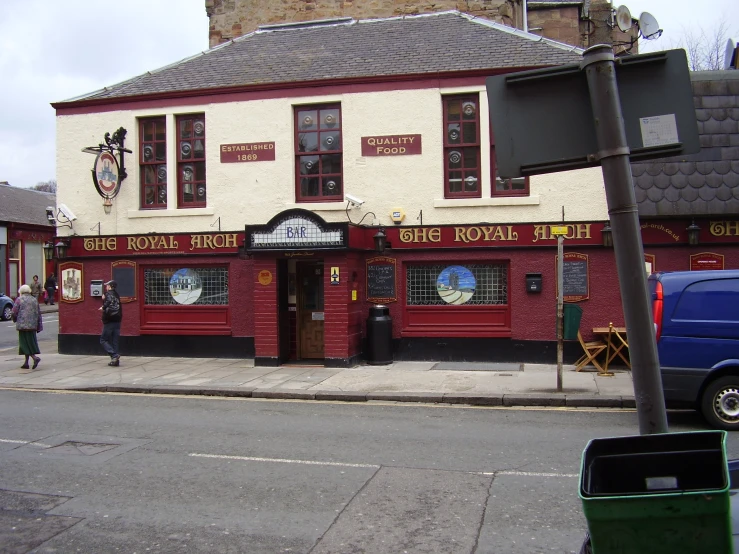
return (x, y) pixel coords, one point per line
(281, 460)
(532, 474)
(34, 443)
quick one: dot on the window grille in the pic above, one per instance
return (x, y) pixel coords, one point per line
(491, 284)
(210, 282)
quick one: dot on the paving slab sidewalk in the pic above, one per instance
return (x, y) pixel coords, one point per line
(491, 385)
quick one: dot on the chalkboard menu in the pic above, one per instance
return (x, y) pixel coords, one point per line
(575, 279)
(124, 273)
(381, 280)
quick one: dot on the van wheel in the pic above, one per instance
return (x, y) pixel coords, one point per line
(720, 403)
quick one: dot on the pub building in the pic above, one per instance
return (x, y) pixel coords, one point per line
(259, 210)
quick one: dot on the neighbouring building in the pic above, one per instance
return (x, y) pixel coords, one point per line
(25, 237)
(581, 23)
(261, 173)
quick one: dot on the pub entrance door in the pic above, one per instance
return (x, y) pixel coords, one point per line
(309, 278)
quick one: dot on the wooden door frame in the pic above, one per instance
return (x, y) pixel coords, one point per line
(300, 268)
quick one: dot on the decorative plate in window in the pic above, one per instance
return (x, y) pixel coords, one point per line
(148, 152)
(456, 284)
(186, 149)
(201, 191)
(307, 121)
(185, 286)
(199, 128)
(455, 157)
(187, 173)
(469, 108)
(162, 173)
(454, 134)
(330, 120)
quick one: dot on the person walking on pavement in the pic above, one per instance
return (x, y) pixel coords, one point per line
(50, 286)
(35, 288)
(112, 316)
(27, 316)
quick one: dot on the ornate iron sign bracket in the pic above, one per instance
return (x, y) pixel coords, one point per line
(109, 171)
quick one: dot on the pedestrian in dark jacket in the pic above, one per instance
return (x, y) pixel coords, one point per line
(50, 286)
(112, 316)
(27, 316)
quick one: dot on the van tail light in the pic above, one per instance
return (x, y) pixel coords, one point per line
(657, 310)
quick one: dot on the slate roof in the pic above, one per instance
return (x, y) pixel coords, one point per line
(18, 205)
(706, 183)
(330, 50)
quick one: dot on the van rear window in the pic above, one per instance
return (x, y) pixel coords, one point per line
(714, 300)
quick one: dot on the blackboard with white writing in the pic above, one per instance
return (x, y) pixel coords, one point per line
(125, 275)
(575, 279)
(381, 280)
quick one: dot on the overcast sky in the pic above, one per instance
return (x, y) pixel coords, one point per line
(52, 50)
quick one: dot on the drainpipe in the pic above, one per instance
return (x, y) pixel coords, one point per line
(525, 17)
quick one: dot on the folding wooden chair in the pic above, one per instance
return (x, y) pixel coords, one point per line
(618, 343)
(591, 350)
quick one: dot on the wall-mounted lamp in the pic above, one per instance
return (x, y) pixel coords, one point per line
(107, 205)
(61, 249)
(380, 239)
(607, 234)
(693, 234)
(49, 250)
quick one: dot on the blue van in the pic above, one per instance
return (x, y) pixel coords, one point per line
(696, 319)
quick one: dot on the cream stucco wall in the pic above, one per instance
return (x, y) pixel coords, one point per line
(253, 192)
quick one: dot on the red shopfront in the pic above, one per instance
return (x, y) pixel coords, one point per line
(299, 289)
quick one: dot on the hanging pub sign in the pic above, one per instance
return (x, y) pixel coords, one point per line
(705, 261)
(107, 172)
(106, 175)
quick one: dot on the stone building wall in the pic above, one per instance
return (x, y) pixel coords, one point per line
(232, 18)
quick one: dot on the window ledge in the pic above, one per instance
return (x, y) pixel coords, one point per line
(480, 202)
(318, 206)
(185, 212)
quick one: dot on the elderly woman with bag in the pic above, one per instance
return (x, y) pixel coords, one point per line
(27, 317)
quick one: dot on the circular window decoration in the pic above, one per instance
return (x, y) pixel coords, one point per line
(187, 173)
(329, 141)
(455, 284)
(468, 108)
(199, 128)
(201, 191)
(186, 149)
(330, 119)
(162, 173)
(148, 153)
(454, 134)
(185, 286)
(162, 195)
(309, 165)
(307, 121)
(331, 186)
(455, 157)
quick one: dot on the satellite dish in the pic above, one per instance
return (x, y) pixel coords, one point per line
(623, 18)
(648, 26)
(729, 55)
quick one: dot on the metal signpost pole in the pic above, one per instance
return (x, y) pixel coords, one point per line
(613, 152)
(560, 309)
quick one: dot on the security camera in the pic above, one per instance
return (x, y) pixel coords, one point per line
(50, 214)
(69, 214)
(353, 200)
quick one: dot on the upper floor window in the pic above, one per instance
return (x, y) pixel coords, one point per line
(153, 162)
(191, 189)
(517, 186)
(318, 154)
(462, 146)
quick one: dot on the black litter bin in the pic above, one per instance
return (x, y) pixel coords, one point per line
(572, 317)
(379, 336)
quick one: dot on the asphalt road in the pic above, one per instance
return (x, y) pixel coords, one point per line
(126, 473)
(47, 338)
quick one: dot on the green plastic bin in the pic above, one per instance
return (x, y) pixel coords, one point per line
(572, 317)
(664, 493)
